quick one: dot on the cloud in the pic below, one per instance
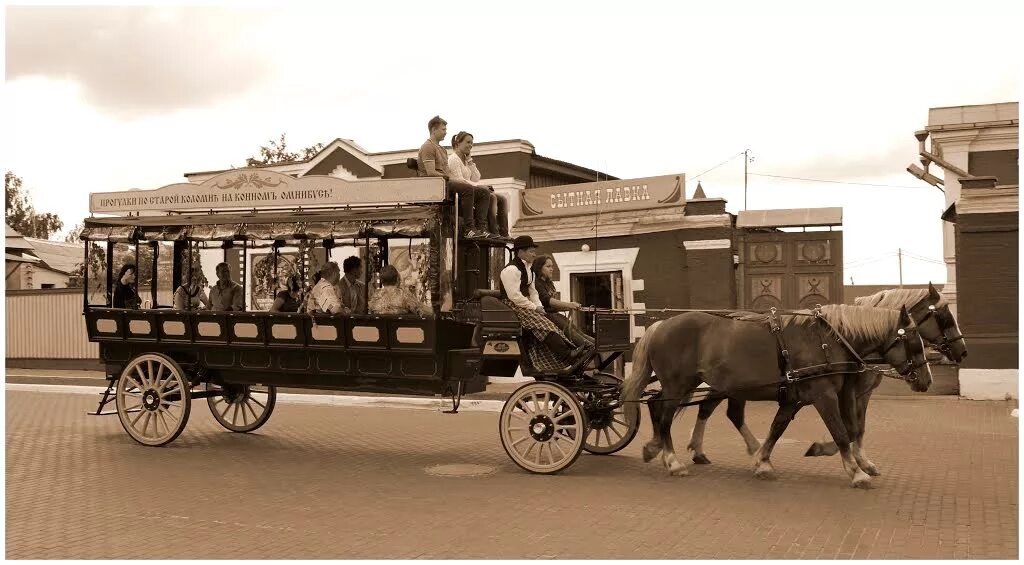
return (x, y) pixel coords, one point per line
(134, 61)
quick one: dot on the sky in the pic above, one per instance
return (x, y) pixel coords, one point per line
(113, 98)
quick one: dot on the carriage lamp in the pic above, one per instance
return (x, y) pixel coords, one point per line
(584, 248)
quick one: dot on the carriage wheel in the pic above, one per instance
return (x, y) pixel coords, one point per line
(153, 399)
(241, 408)
(542, 427)
(610, 431)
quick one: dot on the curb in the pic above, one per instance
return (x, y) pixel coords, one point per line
(425, 403)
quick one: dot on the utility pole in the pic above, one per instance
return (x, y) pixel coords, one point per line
(899, 253)
(746, 158)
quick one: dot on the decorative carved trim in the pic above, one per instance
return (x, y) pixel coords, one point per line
(707, 244)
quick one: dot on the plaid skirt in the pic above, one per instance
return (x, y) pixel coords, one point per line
(541, 356)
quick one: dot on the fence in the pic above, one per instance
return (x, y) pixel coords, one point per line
(47, 324)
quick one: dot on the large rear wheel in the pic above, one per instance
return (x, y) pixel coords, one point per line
(153, 399)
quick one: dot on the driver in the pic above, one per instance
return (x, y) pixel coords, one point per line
(551, 352)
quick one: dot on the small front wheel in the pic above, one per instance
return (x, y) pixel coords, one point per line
(241, 408)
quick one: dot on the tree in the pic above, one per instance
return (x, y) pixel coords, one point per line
(276, 153)
(21, 215)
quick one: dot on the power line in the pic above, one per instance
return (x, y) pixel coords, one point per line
(718, 165)
(834, 181)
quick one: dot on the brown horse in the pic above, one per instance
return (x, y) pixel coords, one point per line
(737, 355)
(937, 327)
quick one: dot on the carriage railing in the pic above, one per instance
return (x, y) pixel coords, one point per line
(263, 329)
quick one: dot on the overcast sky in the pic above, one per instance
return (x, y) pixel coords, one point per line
(112, 98)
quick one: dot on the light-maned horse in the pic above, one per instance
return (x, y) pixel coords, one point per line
(937, 326)
(737, 355)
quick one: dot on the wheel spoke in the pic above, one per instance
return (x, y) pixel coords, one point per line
(223, 415)
(234, 415)
(142, 376)
(607, 436)
(137, 418)
(261, 405)
(556, 446)
(525, 407)
(597, 436)
(540, 453)
(618, 421)
(563, 416)
(616, 430)
(133, 407)
(520, 440)
(529, 449)
(245, 417)
(255, 416)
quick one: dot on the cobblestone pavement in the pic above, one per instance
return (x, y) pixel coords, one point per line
(346, 482)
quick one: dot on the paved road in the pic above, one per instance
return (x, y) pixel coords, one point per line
(346, 482)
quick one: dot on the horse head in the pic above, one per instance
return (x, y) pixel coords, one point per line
(938, 326)
(904, 351)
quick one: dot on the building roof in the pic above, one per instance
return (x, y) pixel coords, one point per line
(790, 218)
(15, 241)
(58, 256)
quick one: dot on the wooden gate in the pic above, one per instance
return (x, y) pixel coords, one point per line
(791, 269)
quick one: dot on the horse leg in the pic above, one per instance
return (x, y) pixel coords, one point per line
(828, 408)
(653, 447)
(736, 413)
(763, 468)
(668, 453)
(858, 438)
(696, 445)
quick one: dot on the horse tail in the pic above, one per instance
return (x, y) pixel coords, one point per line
(640, 376)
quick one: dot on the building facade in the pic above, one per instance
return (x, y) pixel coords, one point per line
(977, 148)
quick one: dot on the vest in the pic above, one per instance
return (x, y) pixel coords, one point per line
(524, 279)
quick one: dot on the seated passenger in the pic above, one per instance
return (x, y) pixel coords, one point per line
(351, 288)
(227, 295)
(543, 270)
(324, 298)
(189, 296)
(125, 295)
(462, 167)
(393, 299)
(433, 162)
(289, 299)
(551, 352)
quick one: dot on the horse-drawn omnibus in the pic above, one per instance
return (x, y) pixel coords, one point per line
(268, 226)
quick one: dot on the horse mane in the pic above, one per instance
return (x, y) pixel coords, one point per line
(860, 323)
(895, 297)
(855, 323)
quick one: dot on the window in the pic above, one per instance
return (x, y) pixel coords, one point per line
(47, 286)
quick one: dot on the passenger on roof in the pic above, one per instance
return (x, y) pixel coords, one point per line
(226, 295)
(190, 295)
(393, 299)
(462, 168)
(324, 297)
(552, 350)
(474, 202)
(125, 295)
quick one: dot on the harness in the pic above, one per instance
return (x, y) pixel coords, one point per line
(791, 376)
(944, 346)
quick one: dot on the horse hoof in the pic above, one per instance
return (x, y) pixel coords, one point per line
(679, 471)
(873, 471)
(814, 450)
(765, 473)
(650, 453)
(861, 482)
(701, 459)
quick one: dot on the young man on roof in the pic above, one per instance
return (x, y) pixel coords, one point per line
(474, 201)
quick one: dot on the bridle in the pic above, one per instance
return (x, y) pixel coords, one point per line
(909, 367)
(944, 346)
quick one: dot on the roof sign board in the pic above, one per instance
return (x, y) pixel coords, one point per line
(791, 218)
(604, 196)
(248, 189)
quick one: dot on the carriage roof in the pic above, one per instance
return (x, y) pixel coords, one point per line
(248, 204)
